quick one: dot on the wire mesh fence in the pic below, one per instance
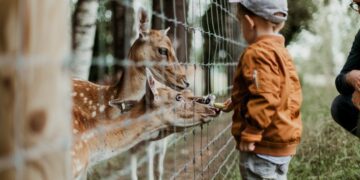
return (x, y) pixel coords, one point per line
(212, 44)
(206, 40)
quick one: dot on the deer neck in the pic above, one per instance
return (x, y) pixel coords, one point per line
(122, 134)
(132, 84)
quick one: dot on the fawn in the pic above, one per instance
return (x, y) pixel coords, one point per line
(160, 108)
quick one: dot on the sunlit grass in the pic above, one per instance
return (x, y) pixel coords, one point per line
(327, 151)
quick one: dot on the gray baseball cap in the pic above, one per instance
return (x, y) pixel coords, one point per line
(266, 8)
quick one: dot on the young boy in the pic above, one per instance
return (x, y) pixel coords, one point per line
(266, 95)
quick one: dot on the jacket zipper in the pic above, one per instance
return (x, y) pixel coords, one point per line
(255, 79)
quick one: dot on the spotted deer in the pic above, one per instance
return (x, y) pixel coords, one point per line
(161, 108)
(151, 45)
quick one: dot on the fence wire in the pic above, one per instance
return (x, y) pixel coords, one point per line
(207, 151)
(202, 152)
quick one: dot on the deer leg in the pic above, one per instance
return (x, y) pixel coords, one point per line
(161, 158)
(133, 166)
(150, 154)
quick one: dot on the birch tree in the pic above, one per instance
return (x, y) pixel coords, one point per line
(35, 120)
(84, 27)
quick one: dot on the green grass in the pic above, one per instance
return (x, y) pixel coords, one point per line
(326, 151)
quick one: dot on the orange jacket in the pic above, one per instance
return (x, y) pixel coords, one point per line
(266, 98)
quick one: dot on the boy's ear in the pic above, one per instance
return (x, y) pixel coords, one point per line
(249, 21)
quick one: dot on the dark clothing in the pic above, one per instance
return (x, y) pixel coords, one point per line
(353, 62)
(345, 113)
(342, 109)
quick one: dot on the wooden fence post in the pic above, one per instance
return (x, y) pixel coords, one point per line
(35, 93)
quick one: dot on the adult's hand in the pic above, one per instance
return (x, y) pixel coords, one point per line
(353, 78)
(356, 99)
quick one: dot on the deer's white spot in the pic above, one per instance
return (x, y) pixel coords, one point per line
(93, 114)
(85, 99)
(75, 131)
(81, 94)
(90, 102)
(98, 104)
(87, 89)
(102, 108)
(74, 94)
(76, 122)
(112, 97)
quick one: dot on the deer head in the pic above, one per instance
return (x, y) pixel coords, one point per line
(155, 46)
(182, 109)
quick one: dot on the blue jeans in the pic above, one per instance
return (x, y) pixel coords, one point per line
(253, 167)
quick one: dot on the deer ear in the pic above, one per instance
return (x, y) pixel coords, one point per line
(143, 24)
(143, 19)
(151, 85)
(165, 31)
(144, 36)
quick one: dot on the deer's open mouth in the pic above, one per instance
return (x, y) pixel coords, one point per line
(210, 112)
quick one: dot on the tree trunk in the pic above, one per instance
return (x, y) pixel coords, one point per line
(123, 20)
(84, 27)
(178, 34)
(35, 118)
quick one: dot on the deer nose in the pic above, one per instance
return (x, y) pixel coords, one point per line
(187, 84)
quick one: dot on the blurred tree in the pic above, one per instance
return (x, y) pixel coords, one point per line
(35, 108)
(83, 34)
(321, 52)
(113, 40)
(123, 21)
(300, 16)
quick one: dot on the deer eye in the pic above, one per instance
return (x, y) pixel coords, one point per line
(163, 51)
(179, 97)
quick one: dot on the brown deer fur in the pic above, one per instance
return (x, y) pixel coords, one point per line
(159, 109)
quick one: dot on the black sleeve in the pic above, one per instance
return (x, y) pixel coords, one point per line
(352, 62)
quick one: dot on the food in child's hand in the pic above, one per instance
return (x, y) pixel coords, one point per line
(219, 105)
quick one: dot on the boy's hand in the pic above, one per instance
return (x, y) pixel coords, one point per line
(226, 106)
(356, 99)
(227, 102)
(247, 146)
